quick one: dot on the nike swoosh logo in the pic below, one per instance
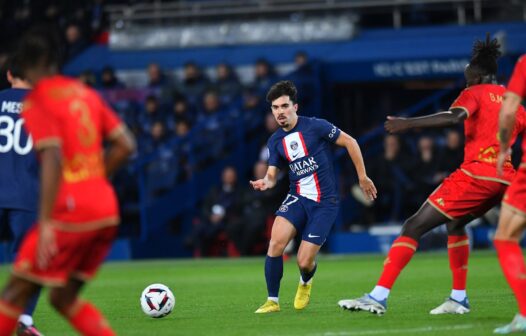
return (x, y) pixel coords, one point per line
(313, 236)
(294, 156)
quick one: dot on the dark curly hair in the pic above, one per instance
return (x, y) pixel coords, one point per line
(282, 88)
(485, 55)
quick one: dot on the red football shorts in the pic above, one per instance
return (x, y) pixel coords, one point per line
(79, 256)
(460, 195)
(515, 196)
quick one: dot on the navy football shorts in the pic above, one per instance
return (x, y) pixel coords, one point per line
(313, 220)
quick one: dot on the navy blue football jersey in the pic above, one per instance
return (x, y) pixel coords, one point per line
(305, 149)
(18, 163)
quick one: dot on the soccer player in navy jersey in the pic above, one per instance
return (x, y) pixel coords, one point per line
(19, 174)
(312, 204)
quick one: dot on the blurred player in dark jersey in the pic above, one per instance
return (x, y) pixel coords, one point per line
(77, 210)
(467, 193)
(312, 204)
(513, 212)
(18, 176)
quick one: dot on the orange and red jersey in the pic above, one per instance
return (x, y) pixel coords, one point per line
(482, 103)
(517, 82)
(62, 112)
(517, 85)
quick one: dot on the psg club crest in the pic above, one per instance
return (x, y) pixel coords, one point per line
(294, 145)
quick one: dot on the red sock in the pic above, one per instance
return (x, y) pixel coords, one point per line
(399, 255)
(512, 264)
(8, 318)
(458, 251)
(86, 319)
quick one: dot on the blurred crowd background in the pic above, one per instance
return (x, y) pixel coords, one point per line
(202, 122)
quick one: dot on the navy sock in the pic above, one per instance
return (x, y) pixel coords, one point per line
(306, 276)
(31, 304)
(273, 274)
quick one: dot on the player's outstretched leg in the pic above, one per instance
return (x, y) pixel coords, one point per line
(26, 326)
(306, 262)
(15, 295)
(458, 252)
(82, 315)
(302, 298)
(401, 252)
(399, 255)
(282, 232)
(273, 275)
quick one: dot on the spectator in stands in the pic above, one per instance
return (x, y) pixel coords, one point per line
(227, 83)
(271, 126)
(75, 41)
(156, 77)
(152, 113)
(257, 208)
(390, 173)
(220, 209)
(155, 137)
(301, 59)
(451, 155)
(194, 83)
(424, 172)
(253, 110)
(109, 80)
(305, 79)
(265, 76)
(181, 111)
(88, 77)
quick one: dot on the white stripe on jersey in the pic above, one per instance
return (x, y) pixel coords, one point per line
(295, 147)
(308, 187)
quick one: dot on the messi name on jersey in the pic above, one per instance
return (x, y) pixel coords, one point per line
(304, 166)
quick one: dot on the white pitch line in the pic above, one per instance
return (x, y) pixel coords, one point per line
(394, 331)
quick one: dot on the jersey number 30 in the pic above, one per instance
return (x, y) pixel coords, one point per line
(11, 131)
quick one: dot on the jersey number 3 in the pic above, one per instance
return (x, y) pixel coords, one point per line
(87, 132)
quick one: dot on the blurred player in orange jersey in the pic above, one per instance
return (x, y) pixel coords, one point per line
(513, 214)
(78, 212)
(467, 193)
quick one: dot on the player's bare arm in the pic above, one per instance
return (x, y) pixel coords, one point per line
(366, 184)
(441, 119)
(50, 175)
(268, 182)
(122, 147)
(507, 114)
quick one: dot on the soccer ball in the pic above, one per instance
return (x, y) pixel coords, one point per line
(157, 300)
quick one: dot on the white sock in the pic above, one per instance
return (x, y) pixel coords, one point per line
(26, 319)
(458, 295)
(380, 293)
(272, 298)
(305, 283)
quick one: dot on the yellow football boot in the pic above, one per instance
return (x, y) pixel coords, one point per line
(302, 296)
(268, 307)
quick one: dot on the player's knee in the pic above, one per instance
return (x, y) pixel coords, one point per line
(305, 263)
(455, 229)
(506, 232)
(17, 291)
(276, 247)
(412, 229)
(60, 300)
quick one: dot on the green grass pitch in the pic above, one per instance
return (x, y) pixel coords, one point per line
(219, 296)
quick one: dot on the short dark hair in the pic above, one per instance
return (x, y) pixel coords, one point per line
(39, 46)
(282, 88)
(13, 66)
